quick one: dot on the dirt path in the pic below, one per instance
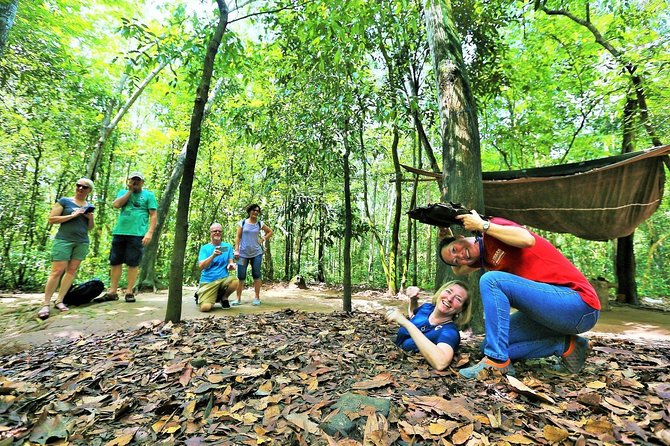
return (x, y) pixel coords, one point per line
(20, 328)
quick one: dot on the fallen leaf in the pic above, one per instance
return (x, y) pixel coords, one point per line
(462, 434)
(381, 380)
(303, 422)
(185, 377)
(554, 434)
(662, 390)
(518, 439)
(47, 429)
(123, 440)
(525, 390)
(598, 427)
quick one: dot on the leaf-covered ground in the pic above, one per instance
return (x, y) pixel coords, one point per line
(280, 378)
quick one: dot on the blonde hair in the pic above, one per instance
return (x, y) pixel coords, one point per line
(462, 319)
(87, 182)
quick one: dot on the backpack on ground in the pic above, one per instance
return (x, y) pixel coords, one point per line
(84, 293)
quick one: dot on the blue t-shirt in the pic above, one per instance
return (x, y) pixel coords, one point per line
(75, 230)
(217, 269)
(443, 333)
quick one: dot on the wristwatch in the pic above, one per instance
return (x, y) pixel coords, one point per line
(485, 226)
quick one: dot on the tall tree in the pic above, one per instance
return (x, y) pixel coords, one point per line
(625, 254)
(173, 311)
(148, 276)
(7, 14)
(109, 124)
(461, 156)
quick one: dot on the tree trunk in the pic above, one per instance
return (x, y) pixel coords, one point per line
(109, 126)
(460, 132)
(625, 270)
(269, 271)
(173, 312)
(7, 15)
(348, 218)
(320, 269)
(288, 244)
(624, 264)
(148, 278)
(410, 227)
(397, 212)
(632, 69)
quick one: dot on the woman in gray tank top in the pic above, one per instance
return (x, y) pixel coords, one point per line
(251, 235)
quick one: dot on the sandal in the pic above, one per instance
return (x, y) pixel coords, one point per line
(110, 296)
(43, 313)
(61, 307)
(106, 298)
(130, 297)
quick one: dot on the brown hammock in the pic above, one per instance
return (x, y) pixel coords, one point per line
(601, 199)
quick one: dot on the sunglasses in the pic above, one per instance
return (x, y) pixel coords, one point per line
(83, 186)
(215, 231)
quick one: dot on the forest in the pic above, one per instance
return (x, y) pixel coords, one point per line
(303, 95)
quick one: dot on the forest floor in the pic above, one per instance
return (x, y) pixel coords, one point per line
(20, 328)
(296, 370)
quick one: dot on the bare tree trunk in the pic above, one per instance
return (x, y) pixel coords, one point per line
(148, 277)
(397, 212)
(632, 69)
(320, 269)
(173, 311)
(288, 245)
(410, 227)
(348, 218)
(109, 126)
(269, 271)
(460, 131)
(624, 264)
(7, 14)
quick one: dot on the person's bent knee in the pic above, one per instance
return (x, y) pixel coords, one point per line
(490, 279)
(206, 307)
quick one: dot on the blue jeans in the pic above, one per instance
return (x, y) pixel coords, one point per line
(255, 267)
(546, 315)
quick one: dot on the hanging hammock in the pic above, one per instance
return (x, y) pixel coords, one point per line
(601, 199)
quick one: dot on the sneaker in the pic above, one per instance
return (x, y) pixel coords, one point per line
(487, 364)
(130, 297)
(574, 357)
(256, 302)
(234, 303)
(225, 304)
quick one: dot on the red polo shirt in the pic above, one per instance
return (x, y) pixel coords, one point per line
(540, 263)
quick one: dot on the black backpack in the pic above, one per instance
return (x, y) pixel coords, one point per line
(84, 293)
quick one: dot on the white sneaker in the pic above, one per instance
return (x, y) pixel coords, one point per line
(256, 302)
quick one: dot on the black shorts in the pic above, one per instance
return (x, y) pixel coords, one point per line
(126, 249)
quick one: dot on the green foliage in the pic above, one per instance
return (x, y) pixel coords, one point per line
(320, 74)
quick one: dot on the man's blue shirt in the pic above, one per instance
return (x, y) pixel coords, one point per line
(218, 268)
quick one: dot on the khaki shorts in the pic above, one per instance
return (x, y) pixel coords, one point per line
(64, 251)
(208, 291)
